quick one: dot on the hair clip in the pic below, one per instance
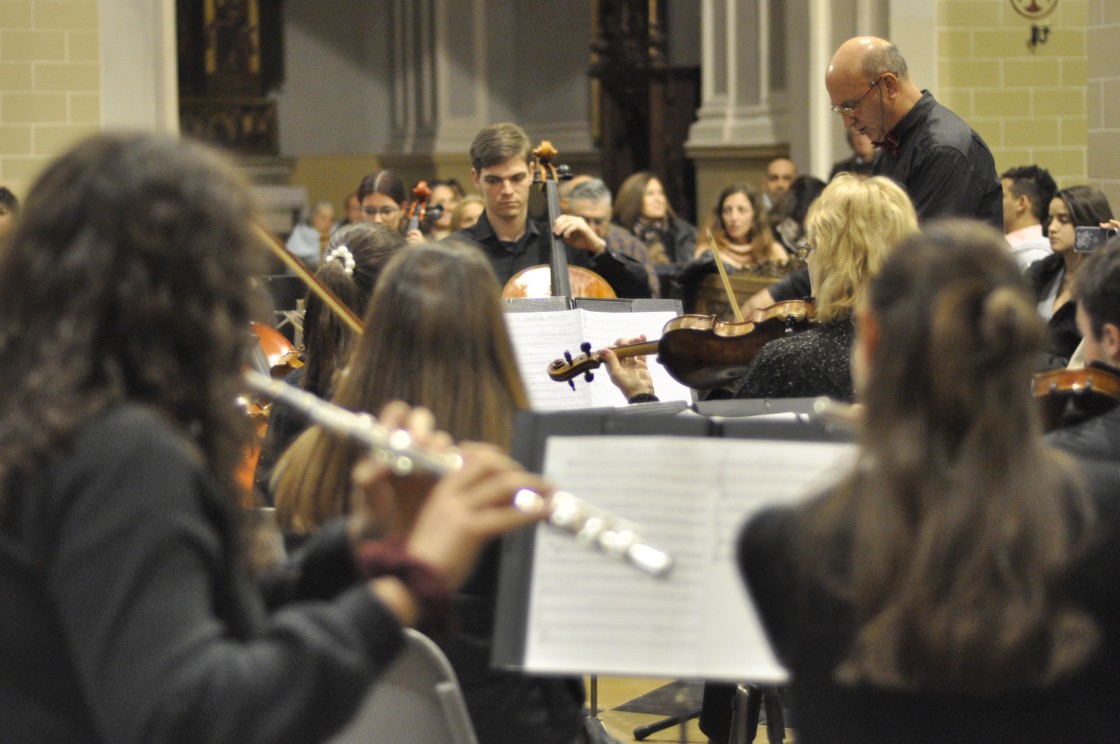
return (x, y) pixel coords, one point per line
(343, 255)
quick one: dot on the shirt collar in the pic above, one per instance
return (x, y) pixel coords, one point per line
(485, 230)
(892, 142)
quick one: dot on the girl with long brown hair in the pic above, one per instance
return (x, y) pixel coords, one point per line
(941, 591)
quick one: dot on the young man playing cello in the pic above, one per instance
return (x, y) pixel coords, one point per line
(500, 170)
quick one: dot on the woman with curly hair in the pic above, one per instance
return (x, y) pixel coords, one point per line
(129, 612)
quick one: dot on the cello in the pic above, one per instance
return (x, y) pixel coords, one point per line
(418, 210)
(557, 279)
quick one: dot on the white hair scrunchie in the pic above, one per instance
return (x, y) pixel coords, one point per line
(343, 255)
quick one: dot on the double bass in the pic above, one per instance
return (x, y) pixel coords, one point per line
(557, 279)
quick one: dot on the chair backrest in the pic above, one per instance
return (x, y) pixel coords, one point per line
(417, 701)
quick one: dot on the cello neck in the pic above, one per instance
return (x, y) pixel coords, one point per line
(546, 175)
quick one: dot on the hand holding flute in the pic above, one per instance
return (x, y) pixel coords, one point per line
(442, 523)
(400, 451)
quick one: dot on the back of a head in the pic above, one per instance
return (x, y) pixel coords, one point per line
(351, 265)
(127, 277)
(438, 339)
(498, 143)
(8, 199)
(1097, 287)
(957, 507)
(1036, 184)
(853, 225)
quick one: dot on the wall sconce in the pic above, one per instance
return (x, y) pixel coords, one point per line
(1035, 10)
(1039, 34)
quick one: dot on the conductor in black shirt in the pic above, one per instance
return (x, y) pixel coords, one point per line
(500, 170)
(943, 164)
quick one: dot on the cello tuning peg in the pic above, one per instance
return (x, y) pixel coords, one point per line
(585, 347)
(568, 357)
(588, 376)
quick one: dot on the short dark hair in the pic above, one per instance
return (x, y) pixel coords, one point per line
(498, 143)
(1097, 286)
(1036, 184)
(8, 199)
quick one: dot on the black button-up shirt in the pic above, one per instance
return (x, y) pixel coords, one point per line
(625, 275)
(943, 164)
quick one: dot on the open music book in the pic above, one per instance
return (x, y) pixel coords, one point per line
(541, 337)
(566, 609)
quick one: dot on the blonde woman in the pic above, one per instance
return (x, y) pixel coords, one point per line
(851, 228)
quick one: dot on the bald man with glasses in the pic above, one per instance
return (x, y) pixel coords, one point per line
(941, 162)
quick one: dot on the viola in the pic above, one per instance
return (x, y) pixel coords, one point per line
(557, 277)
(1095, 389)
(419, 210)
(701, 351)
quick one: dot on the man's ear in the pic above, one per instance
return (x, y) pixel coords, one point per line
(1110, 343)
(1022, 204)
(888, 81)
(474, 179)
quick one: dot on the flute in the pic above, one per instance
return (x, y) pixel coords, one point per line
(588, 524)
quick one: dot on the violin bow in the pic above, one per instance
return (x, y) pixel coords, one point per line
(726, 279)
(328, 297)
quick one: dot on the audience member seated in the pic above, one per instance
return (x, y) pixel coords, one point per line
(788, 217)
(1095, 432)
(1052, 278)
(437, 308)
(467, 212)
(353, 209)
(9, 210)
(642, 208)
(591, 200)
(355, 257)
(743, 238)
(309, 239)
(862, 159)
(1027, 192)
(955, 585)
(779, 176)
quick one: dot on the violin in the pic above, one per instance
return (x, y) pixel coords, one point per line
(557, 279)
(701, 351)
(1094, 388)
(281, 355)
(418, 210)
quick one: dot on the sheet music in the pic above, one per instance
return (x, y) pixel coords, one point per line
(541, 337)
(589, 613)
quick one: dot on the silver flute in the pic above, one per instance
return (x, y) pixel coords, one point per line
(588, 524)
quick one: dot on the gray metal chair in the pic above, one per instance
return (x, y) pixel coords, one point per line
(417, 701)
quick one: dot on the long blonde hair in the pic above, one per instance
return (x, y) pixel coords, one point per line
(434, 337)
(852, 226)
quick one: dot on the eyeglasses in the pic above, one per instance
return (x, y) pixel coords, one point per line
(383, 211)
(849, 108)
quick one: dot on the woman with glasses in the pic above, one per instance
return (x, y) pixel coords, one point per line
(1052, 277)
(383, 199)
